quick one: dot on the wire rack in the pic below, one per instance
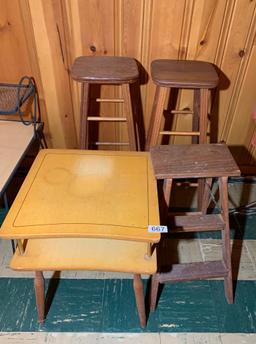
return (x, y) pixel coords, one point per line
(13, 96)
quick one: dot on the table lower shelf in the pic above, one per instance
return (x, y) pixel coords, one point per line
(57, 254)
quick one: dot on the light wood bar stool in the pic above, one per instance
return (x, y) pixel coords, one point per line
(195, 161)
(106, 70)
(196, 75)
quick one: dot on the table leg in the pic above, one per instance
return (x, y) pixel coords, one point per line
(139, 296)
(39, 292)
(154, 292)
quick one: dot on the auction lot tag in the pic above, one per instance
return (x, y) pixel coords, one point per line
(157, 229)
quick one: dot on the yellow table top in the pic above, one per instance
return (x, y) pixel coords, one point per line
(74, 193)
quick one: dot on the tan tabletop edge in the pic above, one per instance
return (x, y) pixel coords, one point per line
(36, 186)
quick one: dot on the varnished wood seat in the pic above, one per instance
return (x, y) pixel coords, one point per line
(196, 75)
(106, 70)
(85, 254)
(172, 162)
(184, 74)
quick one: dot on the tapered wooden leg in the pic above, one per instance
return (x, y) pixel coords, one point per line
(226, 247)
(164, 206)
(167, 188)
(156, 116)
(153, 292)
(139, 296)
(39, 292)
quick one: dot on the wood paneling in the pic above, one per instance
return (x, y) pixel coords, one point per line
(47, 35)
(14, 57)
(48, 31)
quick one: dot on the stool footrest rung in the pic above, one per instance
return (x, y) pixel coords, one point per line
(195, 223)
(194, 271)
(182, 112)
(106, 119)
(180, 133)
(109, 100)
(111, 143)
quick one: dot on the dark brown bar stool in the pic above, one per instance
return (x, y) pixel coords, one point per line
(196, 75)
(195, 161)
(106, 70)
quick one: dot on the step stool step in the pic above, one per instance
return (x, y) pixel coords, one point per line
(195, 223)
(194, 271)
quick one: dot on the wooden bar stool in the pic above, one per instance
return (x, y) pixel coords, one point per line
(196, 75)
(106, 70)
(195, 161)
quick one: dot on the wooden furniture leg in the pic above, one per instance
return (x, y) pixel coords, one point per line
(202, 94)
(206, 185)
(156, 115)
(167, 188)
(129, 116)
(196, 113)
(139, 297)
(226, 246)
(203, 115)
(39, 292)
(154, 292)
(83, 116)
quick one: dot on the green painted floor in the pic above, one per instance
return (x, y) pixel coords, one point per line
(108, 306)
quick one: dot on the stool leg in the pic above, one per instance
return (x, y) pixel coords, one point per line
(196, 113)
(139, 297)
(228, 282)
(200, 116)
(83, 140)
(39, 292)
(129, 116)
(156, 115)
(167, 191)
(154, 292)
(203, 112)
(164, 200)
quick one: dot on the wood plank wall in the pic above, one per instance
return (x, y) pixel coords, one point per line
(42, 38)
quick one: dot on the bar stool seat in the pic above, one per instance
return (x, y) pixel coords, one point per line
(195, 161)
(106, 70)
(196, 75)
(184, 74)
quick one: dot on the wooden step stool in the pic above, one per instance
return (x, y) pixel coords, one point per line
(196, 75)
(196, 161)
(106, 70)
